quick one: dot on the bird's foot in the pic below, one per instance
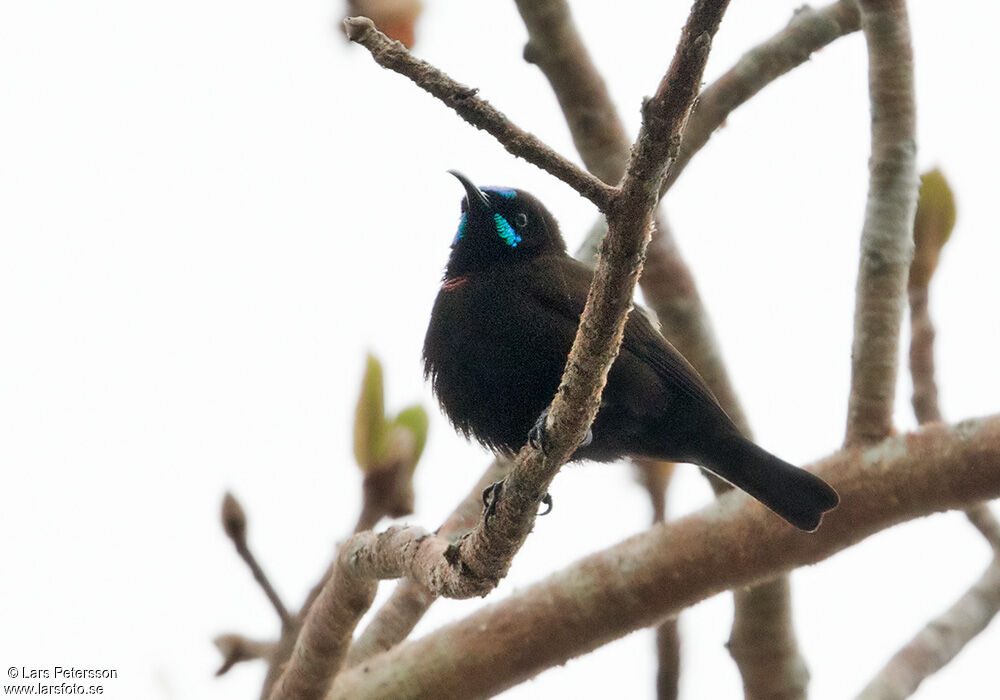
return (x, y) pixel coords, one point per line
(536, 436)
(491, 496)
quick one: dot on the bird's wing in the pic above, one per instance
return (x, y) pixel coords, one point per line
(566, 297)
(648, 344)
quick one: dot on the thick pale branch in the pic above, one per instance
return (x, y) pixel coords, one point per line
(887, 234)
(475, 110)
(733, 542)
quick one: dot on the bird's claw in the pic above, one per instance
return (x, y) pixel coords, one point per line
(491, 496)
(547, 502)
(536, 436)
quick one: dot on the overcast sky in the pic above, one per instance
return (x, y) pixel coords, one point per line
(209, 213)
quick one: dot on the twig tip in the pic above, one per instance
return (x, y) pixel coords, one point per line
(234, 520)
(357, 27)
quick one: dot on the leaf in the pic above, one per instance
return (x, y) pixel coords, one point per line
(932, 225)
(414, 418)
(369, 417)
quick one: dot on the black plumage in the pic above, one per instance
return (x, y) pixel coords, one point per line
(501, 330)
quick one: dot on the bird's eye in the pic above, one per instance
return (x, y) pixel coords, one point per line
(520, 219)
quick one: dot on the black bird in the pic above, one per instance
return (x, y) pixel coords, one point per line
(501, 330)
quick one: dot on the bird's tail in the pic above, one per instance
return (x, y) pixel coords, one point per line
(796, 495)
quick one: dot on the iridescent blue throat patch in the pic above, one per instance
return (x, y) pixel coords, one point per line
(506, 231)
(461, 230)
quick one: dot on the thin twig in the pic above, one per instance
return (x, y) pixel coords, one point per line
(650, 576)
(475, 110)
(236, 649)
(265, 584)
(234, 522)
(887, 234)
(982, 517)
(925, 393)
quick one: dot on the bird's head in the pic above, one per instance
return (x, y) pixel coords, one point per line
(499, 226)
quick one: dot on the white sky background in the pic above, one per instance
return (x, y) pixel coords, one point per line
(209, 212)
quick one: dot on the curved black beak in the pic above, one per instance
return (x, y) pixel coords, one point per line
(477, 199)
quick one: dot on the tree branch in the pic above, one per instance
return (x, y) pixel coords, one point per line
(808, 31)
(234, 523)
(945, 636)
(655, 478)
(639, 582)
(481, 559)
(763, 642)
(887, 234)
(940, 640)
(599, 135)
(665, 113)
(236, 649)
(408, 603)
(982, 517)
(475, 110)
(556, 48)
